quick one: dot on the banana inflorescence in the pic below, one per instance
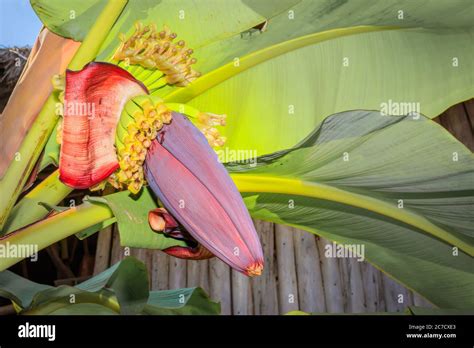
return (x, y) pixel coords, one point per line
(139, 124)
(158, 50)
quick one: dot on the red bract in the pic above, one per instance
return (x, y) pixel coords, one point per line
(185, 174)
(161, 221)
(94, 98)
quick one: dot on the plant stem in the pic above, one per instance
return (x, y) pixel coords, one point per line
(97, 34)
(50, 191)
(17, 173)
(53, 229)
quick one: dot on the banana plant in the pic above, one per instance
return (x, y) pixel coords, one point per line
(173, 82)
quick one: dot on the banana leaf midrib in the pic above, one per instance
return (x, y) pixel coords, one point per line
(339, 241)
(293, 186)
(224, 72)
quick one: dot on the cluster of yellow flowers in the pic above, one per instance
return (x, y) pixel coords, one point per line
(157, 50)
(206, 123)
(140, 129)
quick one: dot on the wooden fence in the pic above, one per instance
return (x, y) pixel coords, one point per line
(297, 276)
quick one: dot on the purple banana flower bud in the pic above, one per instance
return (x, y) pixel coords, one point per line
(185, 174)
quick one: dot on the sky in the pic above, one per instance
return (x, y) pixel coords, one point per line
(19, 24)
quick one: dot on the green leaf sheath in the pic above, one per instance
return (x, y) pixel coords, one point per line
(11, 185)
(17, 173)
(131, 213)
(28, 210)
(55, 228)
(51, 151)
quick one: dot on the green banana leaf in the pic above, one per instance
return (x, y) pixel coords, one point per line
(131, 213)
(401, 186)
(51, 151)
(189, 301)
(302, 86)
(70, 19)
(164, 302)
(275, 104)
(84, 233)
(209, 22)
(19, 290)
(323, 85)
(123, 288)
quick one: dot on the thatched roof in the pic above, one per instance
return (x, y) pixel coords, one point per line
(12, 61)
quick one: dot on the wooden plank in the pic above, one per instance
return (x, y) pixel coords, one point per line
(456, 121)
(373, 286)
(219, 284)
(204, 275)
(287, 282)
(397, 297)
(177, 275)
(198, 274)
(103, 250)
(117, 252)
(308, 267)
(355, 287)
(345, 284)
(241, 294)
(193, 273)
(250, 305)
(264, 287)
(140, 254)
(469, 108)
(160, 270)
(331, 279)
